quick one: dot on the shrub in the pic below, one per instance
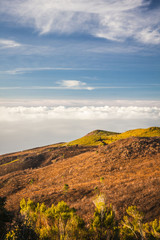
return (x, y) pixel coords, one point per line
(31, 181)
(155, 228)
(60, 222)
(56, 222)
(66, 187)
(132, 224)
(104, 225)
(101, 179)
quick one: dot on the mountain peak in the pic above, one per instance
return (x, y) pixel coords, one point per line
(100, 132)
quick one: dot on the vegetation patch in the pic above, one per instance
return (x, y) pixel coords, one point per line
(100, 137)
(97, 137)
(10, 162)
(60, 222)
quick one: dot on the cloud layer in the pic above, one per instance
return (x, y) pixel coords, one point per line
(9, 114)
(4, 102)
(28, 127)
(113, 20)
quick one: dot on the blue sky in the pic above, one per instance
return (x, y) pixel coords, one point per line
(69, 53)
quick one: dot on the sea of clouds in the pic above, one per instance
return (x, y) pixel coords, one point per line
(42, 113)
(23, 127)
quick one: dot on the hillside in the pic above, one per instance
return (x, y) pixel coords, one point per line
(147, 132)
(126, 171)
(99, 137)
(38, 157)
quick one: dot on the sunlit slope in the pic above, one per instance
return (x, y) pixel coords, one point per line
(147, 132)
(99, 137)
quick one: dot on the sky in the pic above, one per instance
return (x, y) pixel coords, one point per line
(68, 67)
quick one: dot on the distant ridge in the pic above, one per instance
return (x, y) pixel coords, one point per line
(96, 137)
(101, 137)
(101, 132)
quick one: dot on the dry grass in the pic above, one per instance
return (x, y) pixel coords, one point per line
(129, 178)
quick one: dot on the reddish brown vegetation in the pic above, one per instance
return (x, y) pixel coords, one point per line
(130, 168)
(38, 157)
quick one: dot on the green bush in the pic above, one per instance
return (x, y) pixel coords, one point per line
(101, 179)
(56, 222)
(104, 225)
(66, 187)
(60, 222)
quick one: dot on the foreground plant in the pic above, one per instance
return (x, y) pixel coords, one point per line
(133, 226)
(60, 222)
(104, 225)
(56, 222)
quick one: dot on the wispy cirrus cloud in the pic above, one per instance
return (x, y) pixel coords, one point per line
(38, 69)
(148, 35)
(27, 70)
(63, 84)
(6, 43)
(113, 20)
(74, 85)
(10, 47)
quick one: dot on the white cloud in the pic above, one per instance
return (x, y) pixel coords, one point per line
(6, 102)
(31, 69)
(27, 49)
(6, 43)
(61, 87)
(78, 113)
(112, 19)
(64, 84)
(149, 35)
(74, 84)
(25, 70)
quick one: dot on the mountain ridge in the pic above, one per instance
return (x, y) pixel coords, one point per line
(101, 137)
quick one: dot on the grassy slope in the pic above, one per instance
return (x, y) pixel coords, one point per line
(147, 132)
(99, 137)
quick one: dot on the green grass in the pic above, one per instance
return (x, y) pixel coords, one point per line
(99, 137)
(147, 132)
(10, 162)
